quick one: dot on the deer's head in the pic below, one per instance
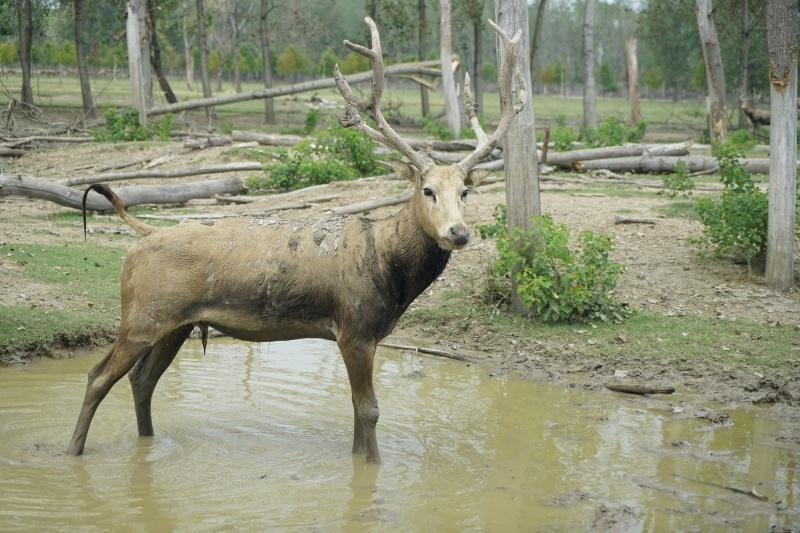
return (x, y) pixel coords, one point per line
(440, 191)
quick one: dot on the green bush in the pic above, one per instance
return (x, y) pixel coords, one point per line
(741, 139)
(613, 132)
(335, 154)
(311, 122)
(562, 135)
(554, 280)
(125, 126)
(736, 223)
(436, 129)
(678, 183)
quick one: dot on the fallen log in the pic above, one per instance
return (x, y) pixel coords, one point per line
(639, 389)
(241, 166)
(646, 164)
(421, 349)
(369, 205)
(207, 142)
(268, 139)
(633, 220)
(132, 195)
(421, 67)
(272, 198)
(51, 138)
(572, 157)
(11, 152)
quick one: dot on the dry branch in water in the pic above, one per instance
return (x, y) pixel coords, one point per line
(639, 389)
(421, 349)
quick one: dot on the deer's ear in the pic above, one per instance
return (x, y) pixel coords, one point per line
(403, 169)
(475, 177)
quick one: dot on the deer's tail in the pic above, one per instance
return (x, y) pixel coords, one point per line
(119, 206)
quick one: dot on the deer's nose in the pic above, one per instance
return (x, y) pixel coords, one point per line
(459, 234)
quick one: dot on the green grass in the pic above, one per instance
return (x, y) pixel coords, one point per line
(684, 209)
(34, 330)
(671, 339)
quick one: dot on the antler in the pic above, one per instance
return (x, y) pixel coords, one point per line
(507, 73)
(371, 106)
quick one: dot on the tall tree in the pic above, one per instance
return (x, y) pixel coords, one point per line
(80, 54)
(188, 57)
(633, 80)
(138, 54)
(744, 58)
(237, 17)
(589, 87)
(519, 147)
(25, 19)
(421, 31)
(267, 6)
(452, 111)
(155, 52)
(782, 38)
(474, 12)
(202, 43)
(537, 35)
(715, 74)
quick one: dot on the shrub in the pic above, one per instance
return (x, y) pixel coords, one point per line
(312, 119)
(741, 139)
(678, 183)
(613, 132)
(562, 135)
(437, 129)
(333, 155)
(555, 281)
(125, 126)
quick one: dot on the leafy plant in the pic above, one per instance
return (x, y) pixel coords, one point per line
(562, 135)
(437, 129)
(555, 281)
(741, 139)
(311, 122)
(125, 126)
(678, 183)
(613, 132)
(335, 154)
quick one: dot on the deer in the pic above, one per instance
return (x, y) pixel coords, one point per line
(344, 279)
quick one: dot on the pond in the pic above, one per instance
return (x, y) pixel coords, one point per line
(258, 435)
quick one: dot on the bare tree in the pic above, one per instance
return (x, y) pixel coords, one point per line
(537, 35)
(267, 6)
(237, 18)
(138, 53)
(589, 87)
(202, 43)
(188, 58)
(519, 148)
(448, 79)
(25, 19)
(744, 58)
(421, 31)
(715, 74)
(155, 52)
(633, 80)
(782, 40)
(474, 11)
(80, 56)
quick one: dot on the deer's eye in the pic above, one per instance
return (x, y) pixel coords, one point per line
(427, 191)
(464, 194)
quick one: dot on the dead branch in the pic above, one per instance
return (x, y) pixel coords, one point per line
(10, 152)
(273, 197)
(242, 166)
(421, 349)
(361, 207)
(663, 164)
(639, 389)
(751, 493)
(268, 139)
(132, 195)
(633, 220)
(572, 157)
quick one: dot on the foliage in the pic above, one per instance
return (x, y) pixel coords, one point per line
(353, 63)
(562, 135)
(653, 78)
(436, 128)
(613, 132)
(327, 61)
(608, 83)
(125, 126)
(736, 223)
(292, 62)
(556, 281)
(312, 119)
(741, 139)
(678, 183)
(333, 155)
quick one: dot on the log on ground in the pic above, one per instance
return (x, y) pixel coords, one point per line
(646, 164)
(241, 166)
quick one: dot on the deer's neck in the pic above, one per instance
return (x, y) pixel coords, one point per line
(410, 259)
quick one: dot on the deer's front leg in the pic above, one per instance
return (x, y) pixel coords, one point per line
(358, 356)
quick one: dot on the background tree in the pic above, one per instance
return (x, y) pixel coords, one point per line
(633, 80)
(451, 107)
(153, 9)
(202, 44)
(25, 18)
(474, 11)
(783, 38)
(537, 35)
(80, 55)
(188, 56)
(267, 7)
(589, 88)
(422, 28)
(715, 74)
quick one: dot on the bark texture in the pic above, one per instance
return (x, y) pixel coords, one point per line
(589, 86)
(263, 33)
(421, 31)
(715, 73)
(782, 39)
(155, 52)
(744, 57)
(138, 58)
(633, 81)
(452, 112)
(537, 36)
(80, 55)
(202, 44)
(188, 57)
(25, 20)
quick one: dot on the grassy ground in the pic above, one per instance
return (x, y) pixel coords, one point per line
(64, 93)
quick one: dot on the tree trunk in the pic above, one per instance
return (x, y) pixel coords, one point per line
(25, 18)
(138, 54)
(744, 67)
(243, 166)
(423, 28)
(537, 36)
(448, 79)
(782, 39)
(269, 103)
(519, 147)
(715, 74)
(477, 24)
(237, 73)
(589, 88)
(80, 54)
(188, 58)
(633, 80)
(202, 43)
(155, 53)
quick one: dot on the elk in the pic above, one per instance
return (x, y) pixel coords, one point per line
(345, 279)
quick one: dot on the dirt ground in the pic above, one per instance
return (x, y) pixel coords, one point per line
(663, 273)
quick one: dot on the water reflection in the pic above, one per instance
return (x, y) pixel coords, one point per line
(253, 436)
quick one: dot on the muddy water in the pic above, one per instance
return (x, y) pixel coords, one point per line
(253, 436)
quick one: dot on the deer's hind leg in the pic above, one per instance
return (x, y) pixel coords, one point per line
(148, 370)
(102, 377)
